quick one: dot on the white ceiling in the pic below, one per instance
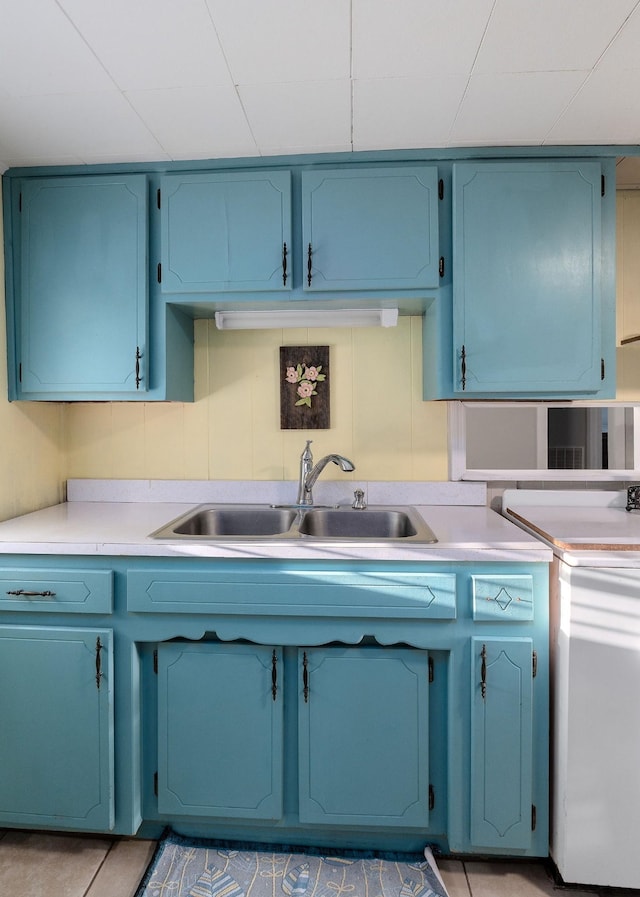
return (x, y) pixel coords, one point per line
(91, 81)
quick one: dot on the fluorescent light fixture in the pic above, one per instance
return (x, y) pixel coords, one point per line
(327, 317)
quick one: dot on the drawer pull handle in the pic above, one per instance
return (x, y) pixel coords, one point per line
(309, 264)
(483, 672)
(98, 662)
(284, 264)
(274, 675)
(26, 594)
(305, 678)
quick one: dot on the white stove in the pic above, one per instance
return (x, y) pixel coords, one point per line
(595, 674)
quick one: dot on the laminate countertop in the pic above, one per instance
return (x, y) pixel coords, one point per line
(119, 521)
(583, 527)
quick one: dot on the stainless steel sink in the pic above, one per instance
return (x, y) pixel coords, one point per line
(230, 520)
(371, 523)
(241, 522)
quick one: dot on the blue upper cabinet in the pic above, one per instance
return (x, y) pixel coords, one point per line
(527, 279)
(82, 312)
(226, 231)
(370, 228)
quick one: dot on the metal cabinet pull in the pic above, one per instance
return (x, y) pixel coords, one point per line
(27, 594)
(98, 662)
(463, 367)
(274, 675)
(284, 264)
(138, 357)
(309, 256)
(483, 672)
(305, 678)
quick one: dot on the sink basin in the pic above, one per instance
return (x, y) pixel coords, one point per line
(214, 522)
(372, 523)
(230, 520)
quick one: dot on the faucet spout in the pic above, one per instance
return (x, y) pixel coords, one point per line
(309, 473)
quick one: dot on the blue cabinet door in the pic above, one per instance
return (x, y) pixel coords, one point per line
(56, 728)
(83, 287)
(370, 228)
(363, 736)
(226, 231)
(527, 252)
(220, 730)
(502, 743)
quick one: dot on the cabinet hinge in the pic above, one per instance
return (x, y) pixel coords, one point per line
(602, 368)
(533, 817)
(441, 266)
(159, 272)
(602, 185)
(431, 669)
(534, 664)
(440, 189)
(155, 783)
(432, 797)
(155, 662)
(158, 197)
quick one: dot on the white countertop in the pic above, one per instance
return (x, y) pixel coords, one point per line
(583, 527)
(111, 527)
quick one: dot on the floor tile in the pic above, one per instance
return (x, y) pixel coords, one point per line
(123, 869)
(43, 865)
(454, 878)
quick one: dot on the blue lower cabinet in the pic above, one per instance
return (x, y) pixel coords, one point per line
(220, 730)
(364, 736)
(503, 812)
(56, 728)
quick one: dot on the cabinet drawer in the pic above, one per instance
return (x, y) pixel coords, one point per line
(498, 597)
(308, 592)
(55, 591)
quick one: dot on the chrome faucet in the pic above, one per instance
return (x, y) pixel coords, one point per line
(309, 474)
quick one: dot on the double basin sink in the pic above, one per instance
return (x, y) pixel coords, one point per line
(241, 522)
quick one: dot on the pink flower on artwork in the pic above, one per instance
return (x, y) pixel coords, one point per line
(292, 375)
(305, 389)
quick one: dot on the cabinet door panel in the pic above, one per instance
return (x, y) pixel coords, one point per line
(83, 284)
(363, 719)
(219, 730)
(226, 231)
(56, 728)
(526, 277)
(371, 228)
(502, 743)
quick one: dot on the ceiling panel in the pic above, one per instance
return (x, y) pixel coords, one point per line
(188, 122)
(411, 38)
(549, 35)
(283, 40)
(152, 44)
(313, 116)
(513, 108)
(414, 112)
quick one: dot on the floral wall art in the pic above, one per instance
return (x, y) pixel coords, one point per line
(304, 388)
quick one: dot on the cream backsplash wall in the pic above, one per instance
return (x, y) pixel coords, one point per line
(32, 462)
(232, 430)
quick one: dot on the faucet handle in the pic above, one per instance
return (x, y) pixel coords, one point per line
(359, 503)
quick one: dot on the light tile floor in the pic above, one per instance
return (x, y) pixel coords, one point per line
(36, 864)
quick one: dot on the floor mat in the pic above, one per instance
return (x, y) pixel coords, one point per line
(183, 867)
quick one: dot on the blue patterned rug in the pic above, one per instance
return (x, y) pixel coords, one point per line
(187, 868)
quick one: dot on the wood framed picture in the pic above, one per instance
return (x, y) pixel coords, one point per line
(304, 388)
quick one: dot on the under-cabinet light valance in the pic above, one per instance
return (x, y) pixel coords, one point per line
(284, 318)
